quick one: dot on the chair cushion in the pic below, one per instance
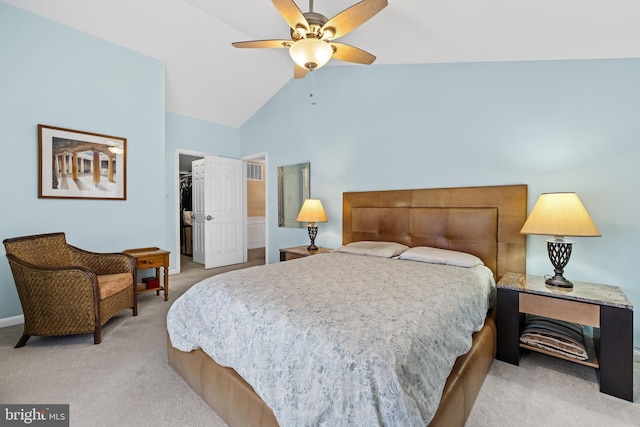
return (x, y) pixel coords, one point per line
(111, 284)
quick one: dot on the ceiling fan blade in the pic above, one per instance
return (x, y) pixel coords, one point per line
(344, 52)
(291, 13)
(273, 44)
(351, 18)
(299, 72)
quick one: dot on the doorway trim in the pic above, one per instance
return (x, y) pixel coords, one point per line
(263, 156)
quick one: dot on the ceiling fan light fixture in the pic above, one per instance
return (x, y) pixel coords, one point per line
(313, 35)
(301, 32)
(328, 33)
(311, 53)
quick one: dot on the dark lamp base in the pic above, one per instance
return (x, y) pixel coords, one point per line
(313, 232)
(559, 281)
(559, 253)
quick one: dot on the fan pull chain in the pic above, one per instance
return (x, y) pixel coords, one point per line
(312, 100)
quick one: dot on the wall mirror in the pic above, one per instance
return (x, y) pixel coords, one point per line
(293, 189)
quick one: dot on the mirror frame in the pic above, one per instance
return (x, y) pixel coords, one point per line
(293, 189)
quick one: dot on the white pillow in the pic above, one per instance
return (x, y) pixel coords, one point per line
(441, 256)
(371, 248)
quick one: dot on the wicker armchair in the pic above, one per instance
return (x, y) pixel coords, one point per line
(65, 290)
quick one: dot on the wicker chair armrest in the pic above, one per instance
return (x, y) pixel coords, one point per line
(77, 281)
(102, 262)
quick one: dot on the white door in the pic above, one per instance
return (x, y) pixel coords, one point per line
(219, 212)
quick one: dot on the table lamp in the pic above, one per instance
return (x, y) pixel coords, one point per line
(312, 212)
(559, 215)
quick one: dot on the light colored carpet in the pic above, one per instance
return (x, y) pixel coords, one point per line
(550, 392)
(126, 380)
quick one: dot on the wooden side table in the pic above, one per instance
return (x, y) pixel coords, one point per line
(299, 252)
(152, 258)
(605, 308)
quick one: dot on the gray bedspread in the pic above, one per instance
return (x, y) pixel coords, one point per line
(338, 339)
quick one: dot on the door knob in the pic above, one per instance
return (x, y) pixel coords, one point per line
(209, 218)
(193, 216)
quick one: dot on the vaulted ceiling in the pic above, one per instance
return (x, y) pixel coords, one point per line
(208, 79)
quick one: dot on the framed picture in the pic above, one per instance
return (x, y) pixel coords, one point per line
(81, 165)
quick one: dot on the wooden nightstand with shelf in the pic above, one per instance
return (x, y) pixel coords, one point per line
(147, 258)
(287, 254)
(603, 307)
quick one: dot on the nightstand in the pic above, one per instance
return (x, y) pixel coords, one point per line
(605, 308)
(299, 252)
(152, 258)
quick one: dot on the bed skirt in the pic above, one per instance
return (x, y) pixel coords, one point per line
(235, 401)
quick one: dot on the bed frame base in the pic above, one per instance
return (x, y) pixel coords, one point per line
(226, 392)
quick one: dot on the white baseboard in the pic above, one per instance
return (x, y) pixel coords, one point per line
(10, 321)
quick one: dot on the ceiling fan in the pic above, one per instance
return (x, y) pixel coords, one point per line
(312, 34)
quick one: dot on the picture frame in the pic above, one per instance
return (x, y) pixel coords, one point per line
(66, 164)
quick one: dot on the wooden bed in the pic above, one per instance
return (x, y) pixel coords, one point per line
(484, 221)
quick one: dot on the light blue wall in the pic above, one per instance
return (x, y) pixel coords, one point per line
(189, 134)
(54, 75)
(556, 126)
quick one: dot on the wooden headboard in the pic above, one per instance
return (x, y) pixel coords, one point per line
(483, 221)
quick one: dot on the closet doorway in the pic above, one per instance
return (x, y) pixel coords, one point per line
(255, 216)
(185, 230)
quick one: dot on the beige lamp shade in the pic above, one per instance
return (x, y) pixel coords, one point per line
(560, 214)
(312, 211)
